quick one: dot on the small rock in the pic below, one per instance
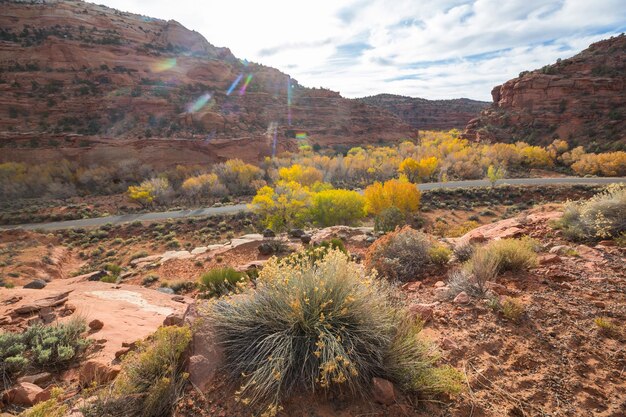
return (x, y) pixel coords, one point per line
(178, 298)
(173, 320)
(549, 259)
(425, 311)
(440, 284)
(607, 243)
(44, 395)
(442, 293)
(96, 371)
(462, 298)
(370, 239)
(306, 239)
(296, 233)
(412, 286)
(448, 344)
(36, 284)
(96, 325)
(122, 352)
(24, 393)
(269, 233)
(165, 290)
(560, 249)
(40, 379)
(599, 304)
(266, 249)
(383, 391)
(92, 276)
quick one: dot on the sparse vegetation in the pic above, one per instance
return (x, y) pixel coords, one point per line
(607, 327)
(326, 326)
(221, 281)
(508, 254)
(600, 217)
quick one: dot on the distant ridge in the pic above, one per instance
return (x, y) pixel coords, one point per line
(421, 113)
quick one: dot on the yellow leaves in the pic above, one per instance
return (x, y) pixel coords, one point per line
(331, 207)
(418, 170)
(306, 176)
(142, 194)
(393, 193)
(607, 164)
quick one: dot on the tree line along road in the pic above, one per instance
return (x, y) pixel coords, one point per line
(214, 211)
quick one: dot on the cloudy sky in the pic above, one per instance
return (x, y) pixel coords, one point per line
(434, 49)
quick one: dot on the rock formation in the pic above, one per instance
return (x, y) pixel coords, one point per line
(581, 100)
(428, 114)
(71, 68)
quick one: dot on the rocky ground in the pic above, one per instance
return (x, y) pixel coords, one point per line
(553, 361)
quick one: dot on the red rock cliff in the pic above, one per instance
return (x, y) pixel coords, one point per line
(581, 99)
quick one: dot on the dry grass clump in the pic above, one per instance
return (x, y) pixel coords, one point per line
(511, 308)
(509, 254)
(151, 379)
(404, 254)
(601, 217)
(322, 324)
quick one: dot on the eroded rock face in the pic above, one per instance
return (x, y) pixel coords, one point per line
(429, 114)
(86, 69)
(581, 99)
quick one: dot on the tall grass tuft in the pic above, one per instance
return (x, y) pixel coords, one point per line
(320, 325)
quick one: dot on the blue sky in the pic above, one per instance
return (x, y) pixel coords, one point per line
(434, 49)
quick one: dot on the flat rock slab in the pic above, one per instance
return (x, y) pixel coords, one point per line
(176, 254)
(129, 313)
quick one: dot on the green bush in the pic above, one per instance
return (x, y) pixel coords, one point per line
(151, 379)
(42, 347)
(320, 325)
(389, 219)
(601, 217)
(318, 251)
(220, 281)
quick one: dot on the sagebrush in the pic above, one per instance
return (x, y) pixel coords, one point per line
(322, 325)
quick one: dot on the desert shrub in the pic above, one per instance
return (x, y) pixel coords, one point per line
(137, 255)
(459, 280)
(220, 281)
(151, 379)
(510, 254)
(463, 251)
(331, 207)
(389, 219)
(512, 309)
(439, 255)
(50, 408)
(320, 325)
(317, 251)
(149, 280)
(483, 268)
(401, 255)
(42, 347)
(602, 216)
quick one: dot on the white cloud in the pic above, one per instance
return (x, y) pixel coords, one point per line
(428, 48)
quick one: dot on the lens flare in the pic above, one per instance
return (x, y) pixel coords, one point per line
(166, 64)
(234, 84)
(301, 135)
(245, 85)
(199, 103)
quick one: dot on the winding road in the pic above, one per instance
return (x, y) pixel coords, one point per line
(213, 211)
